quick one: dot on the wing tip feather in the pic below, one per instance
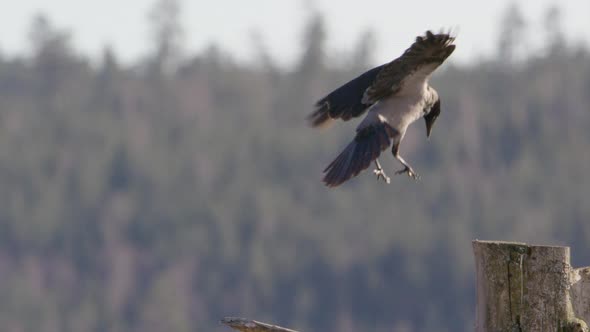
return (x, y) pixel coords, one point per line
(320, 118)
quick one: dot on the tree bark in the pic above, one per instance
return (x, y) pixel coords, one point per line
(523, 287)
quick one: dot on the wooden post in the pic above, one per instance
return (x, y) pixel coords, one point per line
(581, 293)
(522, 287)
(248, 325)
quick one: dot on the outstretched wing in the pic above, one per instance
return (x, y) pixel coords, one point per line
(409, 71)
(353, 98)
(345, 102)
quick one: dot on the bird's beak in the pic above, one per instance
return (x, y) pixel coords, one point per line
(431, 117)
(429, 125)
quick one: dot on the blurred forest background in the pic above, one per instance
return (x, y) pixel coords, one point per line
(166, 194)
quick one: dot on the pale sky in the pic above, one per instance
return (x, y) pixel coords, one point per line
(231, 23)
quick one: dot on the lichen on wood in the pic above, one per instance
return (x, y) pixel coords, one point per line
(574, 325)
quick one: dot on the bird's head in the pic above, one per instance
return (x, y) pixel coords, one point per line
(431, 116)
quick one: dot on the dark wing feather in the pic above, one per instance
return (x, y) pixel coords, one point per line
(428, 49)
(345, 102)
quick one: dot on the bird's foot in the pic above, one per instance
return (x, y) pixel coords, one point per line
(410, 172)
(381, 174)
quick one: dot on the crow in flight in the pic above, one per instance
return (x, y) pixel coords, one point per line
(395, 95)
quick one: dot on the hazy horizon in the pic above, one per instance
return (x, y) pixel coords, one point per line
(280, 25)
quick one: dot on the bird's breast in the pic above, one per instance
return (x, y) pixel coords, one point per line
(399, 112)
(403, 109)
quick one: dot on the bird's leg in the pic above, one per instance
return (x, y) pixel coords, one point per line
(380, 172)
(407, 168)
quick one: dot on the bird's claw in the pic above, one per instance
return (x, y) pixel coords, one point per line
(381, 174)
(410, 172)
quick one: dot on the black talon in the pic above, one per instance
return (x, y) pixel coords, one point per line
(410, 172)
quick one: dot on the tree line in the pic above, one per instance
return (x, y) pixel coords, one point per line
(167, 193)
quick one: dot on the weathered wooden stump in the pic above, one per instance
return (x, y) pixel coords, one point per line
(524, 287)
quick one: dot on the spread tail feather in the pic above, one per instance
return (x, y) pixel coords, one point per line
(358, 155)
